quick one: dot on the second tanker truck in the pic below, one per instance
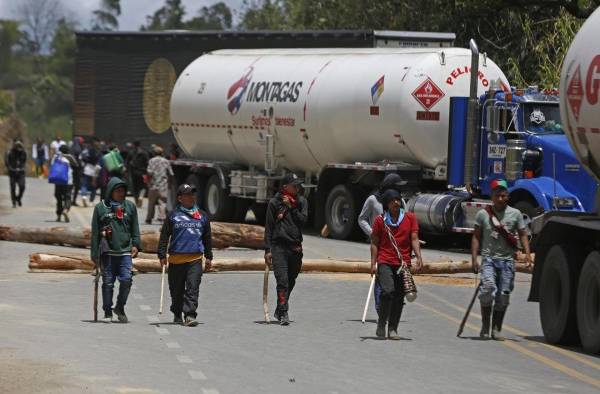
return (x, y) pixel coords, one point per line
(343, 118)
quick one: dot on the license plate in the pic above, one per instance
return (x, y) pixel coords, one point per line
(496, 151)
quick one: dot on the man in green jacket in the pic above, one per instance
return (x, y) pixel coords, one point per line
(115, 241)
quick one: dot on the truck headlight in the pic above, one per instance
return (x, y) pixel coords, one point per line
(564, 202)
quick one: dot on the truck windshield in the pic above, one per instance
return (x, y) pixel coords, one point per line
(542, 118)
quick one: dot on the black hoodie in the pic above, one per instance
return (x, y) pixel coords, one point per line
(286, 231)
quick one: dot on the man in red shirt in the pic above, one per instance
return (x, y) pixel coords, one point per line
(395, 236)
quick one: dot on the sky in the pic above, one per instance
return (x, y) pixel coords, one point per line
(133, 12)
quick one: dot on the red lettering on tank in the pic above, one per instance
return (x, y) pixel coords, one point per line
(592, 83)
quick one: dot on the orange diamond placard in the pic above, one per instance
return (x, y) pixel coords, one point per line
(428, 94)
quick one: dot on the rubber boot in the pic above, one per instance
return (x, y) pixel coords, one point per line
(385, 307)
(395, 314)
(497, 320)
(124, 289)
(486, 315)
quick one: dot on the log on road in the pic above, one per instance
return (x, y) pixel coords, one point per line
(224, 235)
(42, 262)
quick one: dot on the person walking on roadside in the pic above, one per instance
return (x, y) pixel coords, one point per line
(396, 230)
(160, 172)
(39, 154)
(287, 212)
(372, 208)
(90, 157)
(498, 229)
(62, 188)
(187, 235)
(75, 150)
(15, 161)
(54, 145)
(115, 241)
(137, 167)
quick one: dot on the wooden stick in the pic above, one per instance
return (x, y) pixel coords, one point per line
(364, 316)
(266, 294)
(162, 290)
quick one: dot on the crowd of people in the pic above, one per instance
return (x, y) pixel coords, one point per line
(80, 170)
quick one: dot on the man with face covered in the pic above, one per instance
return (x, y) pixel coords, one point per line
(287, 212)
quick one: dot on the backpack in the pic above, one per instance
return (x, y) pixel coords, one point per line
(59, 172)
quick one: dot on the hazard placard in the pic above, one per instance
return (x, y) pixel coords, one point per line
(428, 94)
(575, 93)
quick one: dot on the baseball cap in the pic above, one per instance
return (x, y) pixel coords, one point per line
(498, 184)
(185, 189)
(291, 179)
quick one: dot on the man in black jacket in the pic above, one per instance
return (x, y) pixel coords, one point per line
(287, 212)
(15, 161)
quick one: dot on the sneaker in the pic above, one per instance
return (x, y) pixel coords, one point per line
(393, 334)
(277, 315)
(380, 332)
(497, 335)
(284, 319)
(66, 217)
(58, 218)
(108, 316)
(177, 319)
(190, 322)
(121, 315)
(148, 221)
(84, 201)
(19, 202)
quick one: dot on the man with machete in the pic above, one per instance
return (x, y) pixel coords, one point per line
(287, 212)
(496, 229)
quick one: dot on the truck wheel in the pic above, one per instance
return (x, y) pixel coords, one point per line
(197, 182)
(588, 303)
(217, 202)
(557, 298)
(240, 210)
(341, 212)
(260, 212)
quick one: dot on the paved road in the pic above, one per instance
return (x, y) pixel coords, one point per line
(48, 344)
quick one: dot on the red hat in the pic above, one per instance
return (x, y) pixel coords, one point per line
(498, 183)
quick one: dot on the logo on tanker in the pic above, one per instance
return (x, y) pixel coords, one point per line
(575, 93)
(260, 91)
(428, 94)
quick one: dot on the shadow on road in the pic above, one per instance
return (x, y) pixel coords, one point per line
(275, 322)
(362, 339)
(574, 349)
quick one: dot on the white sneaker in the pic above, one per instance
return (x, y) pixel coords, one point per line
(84, 201)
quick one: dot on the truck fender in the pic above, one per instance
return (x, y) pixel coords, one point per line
(542, 190)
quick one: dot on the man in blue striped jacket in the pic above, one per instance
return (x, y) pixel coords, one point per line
(187, 234)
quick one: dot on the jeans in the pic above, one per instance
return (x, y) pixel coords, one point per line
(287, 264)
(184, 285)
(497, 282)
(87, 187)
(113, 268)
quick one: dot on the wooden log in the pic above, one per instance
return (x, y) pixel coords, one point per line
(143, 264)
(224, 235)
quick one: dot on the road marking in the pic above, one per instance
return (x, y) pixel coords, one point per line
(162, 331)
(173, 345)
(153, 319)
(138, 296)
(133, 287)
(184, 359)
(521, 349)
(145, 307)
(523, 335)
(210, 391)
(197, 375)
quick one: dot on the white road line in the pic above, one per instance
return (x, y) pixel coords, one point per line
(162, 331)
(145, 307)
(173, 345)
(138, 296)
(197, 375)
(184, 359)
(153, 319)
(210, 391)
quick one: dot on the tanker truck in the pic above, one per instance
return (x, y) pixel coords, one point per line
(445, 119)
(566, 277)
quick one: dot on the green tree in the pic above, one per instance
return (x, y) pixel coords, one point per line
(216, 17)
(106, 17)
(9, 37)
(168, 17)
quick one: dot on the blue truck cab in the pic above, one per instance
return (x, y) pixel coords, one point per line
(520, 138)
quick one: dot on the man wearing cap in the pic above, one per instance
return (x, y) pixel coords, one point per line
(187, 234)
(115, 241)
(496, 229)
(373, 208)
(160, 171)
(287, 212)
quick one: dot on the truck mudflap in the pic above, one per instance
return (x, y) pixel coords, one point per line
(548, 194)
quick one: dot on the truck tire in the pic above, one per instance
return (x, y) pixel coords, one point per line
(260, 212)
(588, 303)
(557, 298)
(196, 181)
(217, 202)
(240, 210)
(528, 210)
(341, 212)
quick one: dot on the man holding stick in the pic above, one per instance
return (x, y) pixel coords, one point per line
(287, 212)
(495, 230)
(187, 234)
(115, 241)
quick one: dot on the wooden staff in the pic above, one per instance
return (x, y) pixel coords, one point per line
(162, 290)
(266, 293)
(364, 316)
